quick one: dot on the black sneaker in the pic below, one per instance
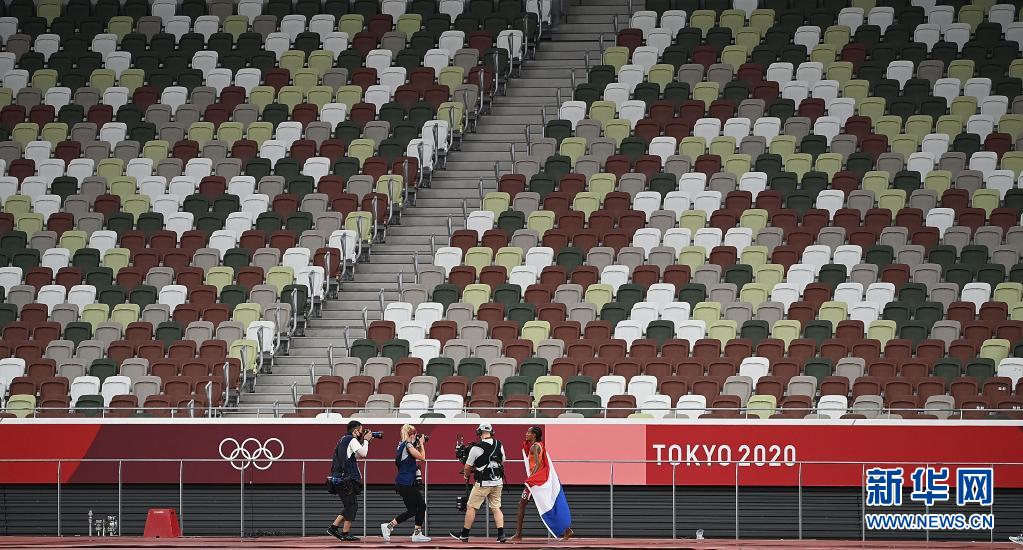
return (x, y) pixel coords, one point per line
(348, 537)
(459, 536)
(332, 531)
(502, 538)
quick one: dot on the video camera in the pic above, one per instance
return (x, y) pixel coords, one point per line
(461, 449)
(462, 454)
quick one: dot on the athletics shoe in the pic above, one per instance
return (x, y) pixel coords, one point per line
(502, 538)
(385, 529)
(419, 537)
(1018, 539)
(348, 537)
(332, 531)
(459, 536)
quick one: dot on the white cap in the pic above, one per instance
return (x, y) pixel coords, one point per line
(485, 427)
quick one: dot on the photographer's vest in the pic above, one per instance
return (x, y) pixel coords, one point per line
(406, 466)
(345, 466)
(492, 452)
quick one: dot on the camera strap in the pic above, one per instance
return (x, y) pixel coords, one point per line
(497, 471)
(497, 447)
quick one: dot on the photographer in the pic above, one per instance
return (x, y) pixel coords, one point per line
(485, 461)
(408, 483)
(347, 478)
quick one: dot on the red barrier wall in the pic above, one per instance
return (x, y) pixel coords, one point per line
(767, 453)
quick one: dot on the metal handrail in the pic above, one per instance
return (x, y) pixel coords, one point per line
(405, 174)
(343, 270)
(436, 137)
(325, 287)
(403, 194)
(303, 480)
(294, 311)
(543, 412)
(311, 301)
(259, 342)
(329, 269)
(358, 227)
(376, 219)
(209, 399)
(525, 37)
(227, 380)
(516, 461)
(422, 161)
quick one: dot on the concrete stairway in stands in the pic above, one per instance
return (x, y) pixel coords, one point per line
(538, 86)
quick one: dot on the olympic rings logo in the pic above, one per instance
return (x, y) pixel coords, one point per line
(251, 452)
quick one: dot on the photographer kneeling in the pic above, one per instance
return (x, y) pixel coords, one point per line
(346, 479)
(409, 483)
(485, 460)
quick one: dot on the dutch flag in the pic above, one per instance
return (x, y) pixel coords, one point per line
(550, 499)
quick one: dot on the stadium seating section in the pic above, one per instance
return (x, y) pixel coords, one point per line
(771, 209)
(184, 183)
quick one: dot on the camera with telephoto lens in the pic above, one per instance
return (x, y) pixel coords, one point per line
(377, 435)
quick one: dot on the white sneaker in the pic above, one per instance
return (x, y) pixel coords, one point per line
(385, 529)
(1017, 539)
(419, 537)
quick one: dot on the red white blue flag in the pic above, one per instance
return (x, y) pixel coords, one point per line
(548, 494)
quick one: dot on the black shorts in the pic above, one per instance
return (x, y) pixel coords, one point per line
(349, 495)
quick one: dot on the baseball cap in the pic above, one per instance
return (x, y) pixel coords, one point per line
(485, 427)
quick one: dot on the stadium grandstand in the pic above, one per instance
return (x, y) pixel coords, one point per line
(747, 213)
(191, 187)
(742, 207)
